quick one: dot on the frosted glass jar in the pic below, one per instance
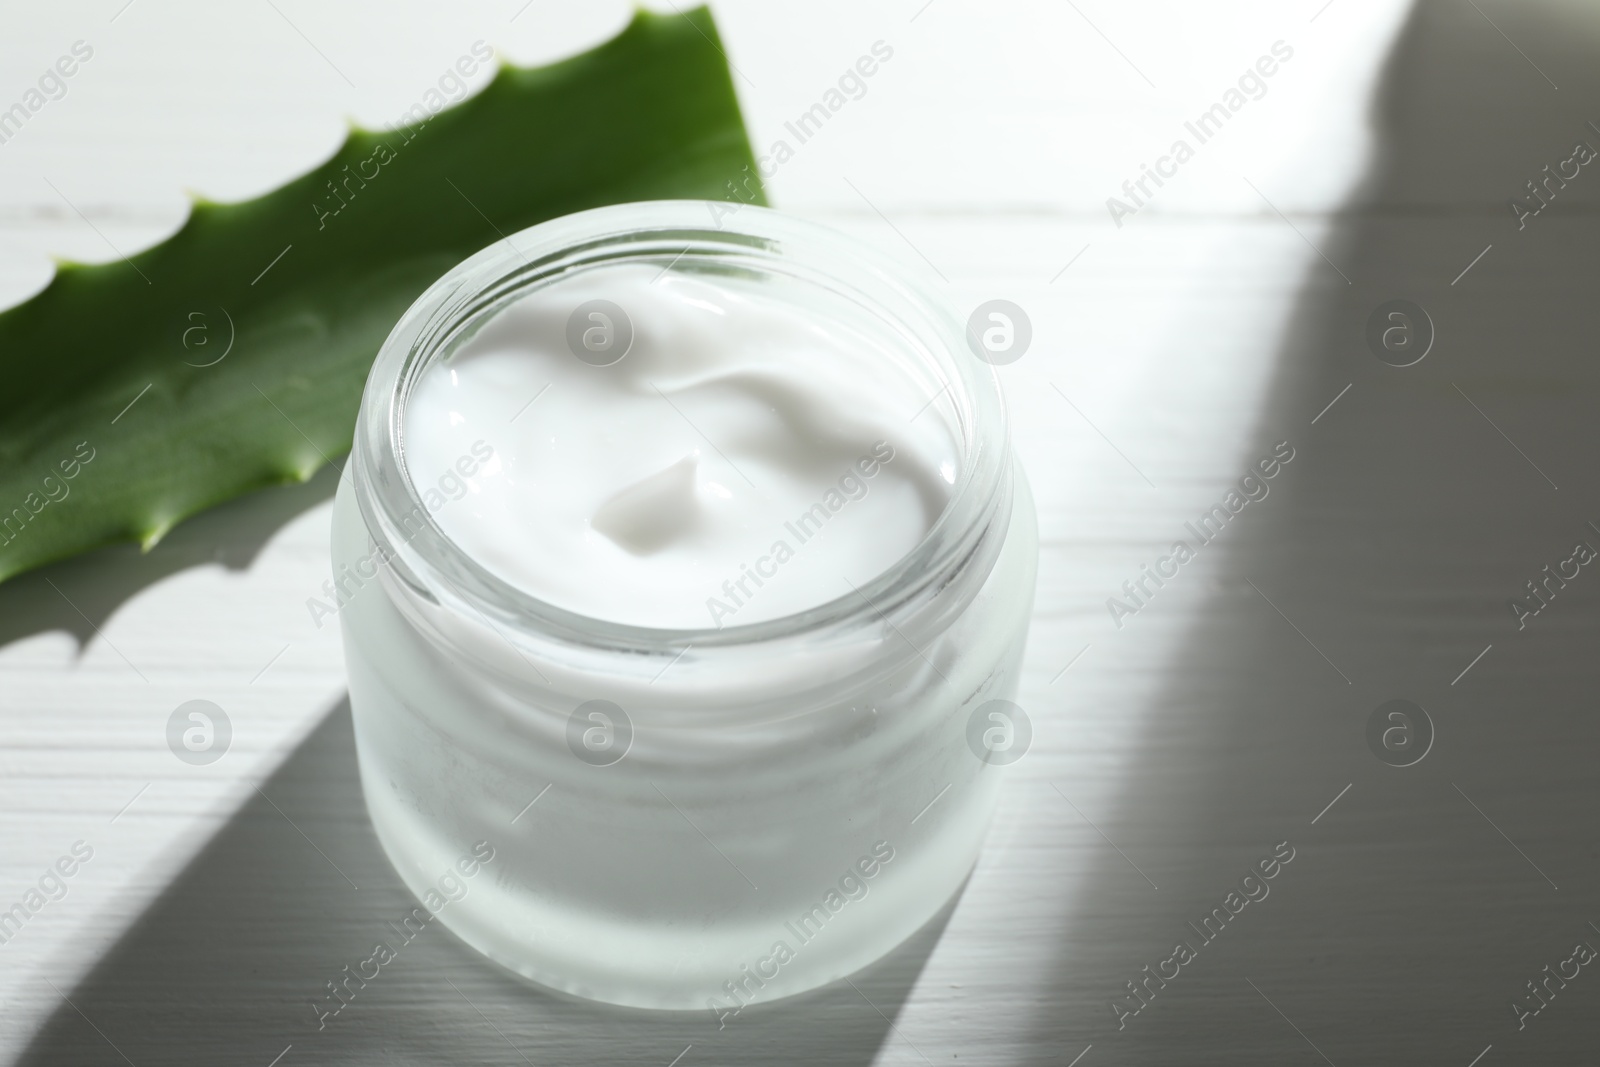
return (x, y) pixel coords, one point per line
(684, 818)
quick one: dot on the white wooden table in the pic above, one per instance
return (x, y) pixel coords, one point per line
(1170, 353)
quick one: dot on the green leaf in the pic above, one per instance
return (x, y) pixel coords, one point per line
(301, 286)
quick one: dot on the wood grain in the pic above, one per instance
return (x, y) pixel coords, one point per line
(1171, 754)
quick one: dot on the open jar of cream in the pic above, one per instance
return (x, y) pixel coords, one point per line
(680, 564)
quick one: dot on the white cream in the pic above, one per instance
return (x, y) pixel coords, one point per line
(747, 458)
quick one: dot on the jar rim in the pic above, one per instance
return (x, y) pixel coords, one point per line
(665, 232)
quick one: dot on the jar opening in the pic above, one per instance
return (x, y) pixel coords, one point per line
(692, 240)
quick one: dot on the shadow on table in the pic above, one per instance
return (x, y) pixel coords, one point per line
(226, 965)
(88, 589)
(1420, 905)
(1420, 900)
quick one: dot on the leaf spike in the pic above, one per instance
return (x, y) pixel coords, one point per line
(151, 537)
(298, 474)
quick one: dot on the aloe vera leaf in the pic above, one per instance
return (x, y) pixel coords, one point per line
(301, 286)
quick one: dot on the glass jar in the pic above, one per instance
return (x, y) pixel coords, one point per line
(695, 818)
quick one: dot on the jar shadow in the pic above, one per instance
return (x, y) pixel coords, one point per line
(234, 961)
